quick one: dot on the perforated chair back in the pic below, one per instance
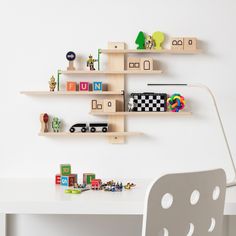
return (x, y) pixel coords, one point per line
(185, 204)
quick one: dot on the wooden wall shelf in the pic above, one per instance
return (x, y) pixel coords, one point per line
(108, 134)
(77, 93)
(134, 51)
(110, 72)
(126, 113)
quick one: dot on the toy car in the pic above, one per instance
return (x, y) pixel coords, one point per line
(93, 127)
(79, 127)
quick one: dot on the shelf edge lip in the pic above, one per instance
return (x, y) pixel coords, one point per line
(184, 113)
(163, 51)
(99, 72)
(40, 93)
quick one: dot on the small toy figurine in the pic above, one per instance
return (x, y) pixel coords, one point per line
(128, 186)
(70, 56)
(56, 124)
(140, 40)
(131, 104)
(90, 62)
(52, 84)
(149, 42)
(44, 118)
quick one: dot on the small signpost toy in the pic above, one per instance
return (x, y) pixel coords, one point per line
(52, 84)
(70, 56)
(44, 118)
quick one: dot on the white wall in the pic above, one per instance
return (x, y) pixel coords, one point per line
(35, 36)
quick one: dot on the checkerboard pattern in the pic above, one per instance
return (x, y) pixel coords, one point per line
(149, 102)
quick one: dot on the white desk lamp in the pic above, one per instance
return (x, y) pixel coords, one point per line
(230, 184)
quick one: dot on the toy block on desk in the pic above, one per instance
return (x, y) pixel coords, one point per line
(190, 43)
(109, 105)
(70, 86)
(58, 179)
(69, 180)
(84, 86)
(97, 86)
(88, 177)
(133, 63)
(65, 169)
(177, 43)
(146, 64)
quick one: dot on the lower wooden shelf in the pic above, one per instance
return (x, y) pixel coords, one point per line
(79, 134)
(127, 113)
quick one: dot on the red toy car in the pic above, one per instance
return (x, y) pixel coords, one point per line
(96, 184)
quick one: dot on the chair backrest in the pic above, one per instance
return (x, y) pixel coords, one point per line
(185, 204)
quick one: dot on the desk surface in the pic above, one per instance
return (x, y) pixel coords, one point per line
(42, 196)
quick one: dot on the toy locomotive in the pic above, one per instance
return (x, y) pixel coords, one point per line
(147, 102)
(92, 127)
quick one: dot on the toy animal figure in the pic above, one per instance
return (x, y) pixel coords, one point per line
(52, 84)
(131, 104)
(149, 42)
(90, 62)
(56, 124)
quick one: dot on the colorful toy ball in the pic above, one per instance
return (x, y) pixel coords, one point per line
(176, 102)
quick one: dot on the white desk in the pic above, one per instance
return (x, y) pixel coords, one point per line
(23, 196)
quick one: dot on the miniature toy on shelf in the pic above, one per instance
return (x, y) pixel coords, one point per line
(158, 38)
(44, 118)
(70, 56)
(90, 62)
(147, 102)
(176, 102)
(56, 124)
(140, 40)
(96, 184)
(93, 127)
(149, 42)
(184, 43)
(52, 84)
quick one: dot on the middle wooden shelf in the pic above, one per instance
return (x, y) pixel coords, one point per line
(109, 72)
(127, 113)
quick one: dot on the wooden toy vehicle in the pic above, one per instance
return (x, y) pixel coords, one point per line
(98, 127)
(79, 127)
(96, 184)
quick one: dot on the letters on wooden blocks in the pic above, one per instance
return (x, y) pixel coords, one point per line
(84, 86)
(133, 63)
(58, 179)
(97, 86)
(177, 43)
(71, 86)
(109, 105)
(88, 177)
(146, 64)
(65, 169)
(97, 105)
(190, 43)
(68, 180)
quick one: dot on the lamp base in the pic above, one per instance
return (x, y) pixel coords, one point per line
(231, 184)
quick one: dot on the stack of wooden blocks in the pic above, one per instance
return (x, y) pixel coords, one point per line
(65, 178)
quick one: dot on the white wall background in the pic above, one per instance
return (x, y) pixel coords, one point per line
(35, 36)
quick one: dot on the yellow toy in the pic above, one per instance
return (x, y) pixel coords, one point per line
(90, 62)
(52, 84)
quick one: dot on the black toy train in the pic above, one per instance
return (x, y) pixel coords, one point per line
(92, 127)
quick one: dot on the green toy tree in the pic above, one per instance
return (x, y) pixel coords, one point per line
(140, 40)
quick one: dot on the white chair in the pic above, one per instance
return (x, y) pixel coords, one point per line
(185, 204)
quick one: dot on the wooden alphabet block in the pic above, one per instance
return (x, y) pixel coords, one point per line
(88, 177)
(69, 180)
(65, 169)
(133, 63)
(84, 86)
(97, 86)
(58, 179)
(146, 64)
(70, 86)
(190, 43)
(177, 44)
(109, 105)
(97, 105)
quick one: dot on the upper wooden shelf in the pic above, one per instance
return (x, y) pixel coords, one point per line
(164, 51)
(99, 72)
(55, 93)
(127, 113)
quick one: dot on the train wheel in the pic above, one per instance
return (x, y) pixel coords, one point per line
(92, 130)
(72, 130)
(83, 130)
(104, 129)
